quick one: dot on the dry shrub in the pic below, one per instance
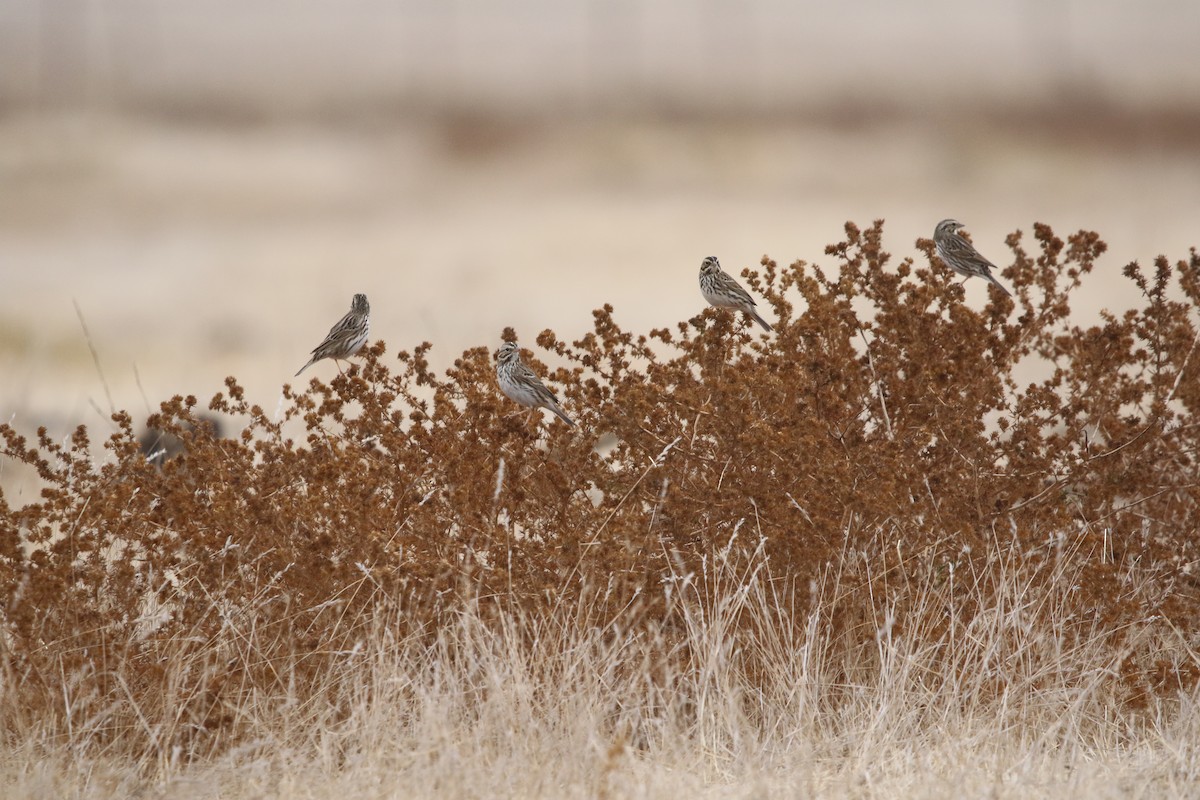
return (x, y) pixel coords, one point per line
(880, 443)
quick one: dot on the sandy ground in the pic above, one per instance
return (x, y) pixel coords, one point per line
(198, 250)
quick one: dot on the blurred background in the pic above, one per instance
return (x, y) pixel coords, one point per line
(210, 182)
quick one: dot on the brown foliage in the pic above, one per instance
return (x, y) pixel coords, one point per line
(882, 433)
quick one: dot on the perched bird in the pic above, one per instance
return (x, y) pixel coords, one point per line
(346, 337)
(160, 446)
(723, 291)
(961, 256)
(521, 385)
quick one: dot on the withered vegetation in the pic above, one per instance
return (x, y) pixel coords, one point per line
(888, 436)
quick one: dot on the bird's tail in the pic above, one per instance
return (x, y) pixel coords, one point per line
(760, 320)
(306, 366)
(997, 283)
(557, 409)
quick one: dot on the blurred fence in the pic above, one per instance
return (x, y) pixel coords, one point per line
(264, 56)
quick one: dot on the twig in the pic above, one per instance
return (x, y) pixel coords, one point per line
(798, 507)
(1145, 499)
(1182, 369)
(1027, 501)
(95, 356)
(138, 379)
(658, 462)
(887, 420)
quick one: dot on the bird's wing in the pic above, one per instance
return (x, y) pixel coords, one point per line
(731, 285)
(539, 388)
(961, 248)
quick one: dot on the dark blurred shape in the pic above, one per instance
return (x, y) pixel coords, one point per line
(159, 446)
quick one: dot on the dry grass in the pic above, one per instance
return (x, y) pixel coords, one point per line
(497, 702)
(854, 558)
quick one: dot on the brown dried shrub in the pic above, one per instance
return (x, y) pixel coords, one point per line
(882, 435)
